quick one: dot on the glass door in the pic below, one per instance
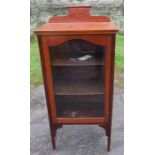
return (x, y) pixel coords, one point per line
(78, 77)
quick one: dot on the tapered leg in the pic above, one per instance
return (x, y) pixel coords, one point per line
(108, 134)
(53, 128)
(53, 135)
(109, 142)
(109, 137)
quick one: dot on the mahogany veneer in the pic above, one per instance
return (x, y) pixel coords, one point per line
(78, 91)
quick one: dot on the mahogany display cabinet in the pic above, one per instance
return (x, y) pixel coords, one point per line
(77, 55)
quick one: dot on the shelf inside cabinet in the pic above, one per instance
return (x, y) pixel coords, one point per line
(80, 106)
(68, 62)
(80, 114)
(78, 87)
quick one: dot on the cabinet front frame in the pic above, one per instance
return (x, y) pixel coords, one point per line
(45, 42)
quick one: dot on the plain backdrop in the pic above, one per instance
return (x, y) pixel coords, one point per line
(139, 77)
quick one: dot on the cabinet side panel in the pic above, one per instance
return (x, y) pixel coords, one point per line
(109, 124)
(108, 63)
(112, 77)
(44, 76)
(47, 78)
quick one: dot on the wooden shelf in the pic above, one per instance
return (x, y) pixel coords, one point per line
(80, 114)
(67, 62)
(80, 106)
(78, 87)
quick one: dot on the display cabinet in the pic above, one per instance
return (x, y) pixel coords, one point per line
(77, 55)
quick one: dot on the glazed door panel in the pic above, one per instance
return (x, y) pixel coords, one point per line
(78, 71)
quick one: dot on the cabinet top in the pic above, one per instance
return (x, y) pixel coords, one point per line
(78, 21)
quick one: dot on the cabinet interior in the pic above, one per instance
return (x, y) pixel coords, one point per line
(78, 69)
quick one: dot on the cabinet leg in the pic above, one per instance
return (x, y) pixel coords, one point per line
(108, 134)
(53, 135)
(109, 142)
(109, 138)
(53, 128)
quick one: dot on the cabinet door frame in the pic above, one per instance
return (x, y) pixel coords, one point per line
(102, 40)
